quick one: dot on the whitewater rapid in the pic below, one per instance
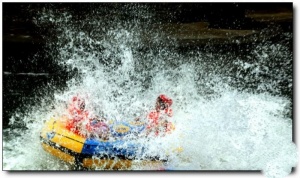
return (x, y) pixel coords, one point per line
(221, 122)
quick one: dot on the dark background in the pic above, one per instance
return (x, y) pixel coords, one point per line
(26, 77)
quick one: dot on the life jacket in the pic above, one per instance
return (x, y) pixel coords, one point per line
(77, 119)
(156, 117)
(81, 122)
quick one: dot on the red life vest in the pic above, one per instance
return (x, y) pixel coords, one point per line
(155, 117)
(80, 121)
(76, 116)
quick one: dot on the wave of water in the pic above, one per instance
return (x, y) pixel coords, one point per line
(232, 112)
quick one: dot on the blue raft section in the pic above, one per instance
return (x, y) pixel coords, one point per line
(121, 146)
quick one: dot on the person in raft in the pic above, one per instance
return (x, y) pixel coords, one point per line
(83, 122)
(158, 119)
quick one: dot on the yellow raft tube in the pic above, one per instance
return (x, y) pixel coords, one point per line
(86, 153)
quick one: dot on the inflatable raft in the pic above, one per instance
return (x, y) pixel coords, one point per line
(117, 153)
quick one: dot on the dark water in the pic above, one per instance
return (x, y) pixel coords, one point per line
(30, 71)
(27, 74)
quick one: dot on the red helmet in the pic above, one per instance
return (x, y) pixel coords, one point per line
(165, 99)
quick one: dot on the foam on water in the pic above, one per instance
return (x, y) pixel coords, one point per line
(221, 122)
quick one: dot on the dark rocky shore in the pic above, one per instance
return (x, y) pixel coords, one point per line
(190, 23)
